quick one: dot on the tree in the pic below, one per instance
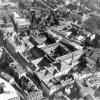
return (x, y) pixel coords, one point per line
(91, 26)
(76, 17)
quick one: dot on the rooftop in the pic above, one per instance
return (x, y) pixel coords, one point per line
(10, 92)
(7, 77)
(93, 80)
(56, 50)
(52, 70)
(54, 84)
(35, 95)
(17, 69)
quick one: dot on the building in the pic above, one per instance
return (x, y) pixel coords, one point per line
(70, 31)
(47, 38)
(38, 39)
(56, 50)
(92, 58)
(1, 22)
(17, 70)
(46, 69)
(63, 52)
(7, 77)
(55, 84)
(26, 39)
(36, 95)
(1, 52)
(33, 54)
(86, 92)
(15, 43)
(67, 2)
(71, 58)
(11, 92)
(7, 3)
(93, 80)
(22, 53)
(19, 23)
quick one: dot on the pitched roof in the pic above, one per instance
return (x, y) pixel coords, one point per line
(46, 72)
(54, 72)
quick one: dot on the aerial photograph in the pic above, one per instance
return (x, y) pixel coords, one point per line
(49, 49)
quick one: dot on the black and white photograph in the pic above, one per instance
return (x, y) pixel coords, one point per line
(49, 49)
